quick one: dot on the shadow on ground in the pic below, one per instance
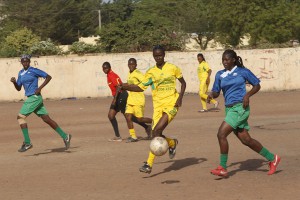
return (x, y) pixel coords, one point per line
(56, 150)
(179, 164)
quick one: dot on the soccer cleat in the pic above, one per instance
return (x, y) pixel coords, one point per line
(25, 147)
(203, 110)
(172, 150)
(273, 165)
(67, 141)
(146, 168)
(131, 139)
(149, 131)
(115, 139)
(220, 171)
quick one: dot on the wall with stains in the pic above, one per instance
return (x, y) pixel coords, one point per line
(82, 76)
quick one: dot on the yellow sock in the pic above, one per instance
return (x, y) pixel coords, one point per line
(150, 160)
(132, 133)
(213, 101)
(171, 142)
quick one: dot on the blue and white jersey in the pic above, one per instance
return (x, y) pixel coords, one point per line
(233, 83)
(29, 79)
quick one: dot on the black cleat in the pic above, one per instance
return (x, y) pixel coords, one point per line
(146, 168)
(25, 147)
(131, 139)
(172, 150)
(67, 141)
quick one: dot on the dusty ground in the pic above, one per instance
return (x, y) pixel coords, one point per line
(96, 169)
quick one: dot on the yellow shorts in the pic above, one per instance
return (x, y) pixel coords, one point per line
(137, 111)
(171, 111)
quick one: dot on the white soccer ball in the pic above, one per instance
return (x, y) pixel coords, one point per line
(159, 146)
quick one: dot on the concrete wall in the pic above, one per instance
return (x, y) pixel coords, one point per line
(82, 76)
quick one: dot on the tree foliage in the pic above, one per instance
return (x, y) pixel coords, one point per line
(62, 21)
(137, 25)
(19, 42)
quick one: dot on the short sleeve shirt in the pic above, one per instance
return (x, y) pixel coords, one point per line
(202, 70)
(29, 79)
(136, 98)
(233, 83)
(163, 84)
(113, 80)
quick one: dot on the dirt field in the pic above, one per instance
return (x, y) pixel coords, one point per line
(94, 168)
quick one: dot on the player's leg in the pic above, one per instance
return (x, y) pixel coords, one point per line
(224, 130)
(256, 146)
(112, 118)
(28, 107)
(213, 101)
(157, 115)
(139, 114)
(128, 115)
(23, 125)
(43, 113)
(203, 96)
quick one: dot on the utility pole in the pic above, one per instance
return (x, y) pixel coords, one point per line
(99, 15)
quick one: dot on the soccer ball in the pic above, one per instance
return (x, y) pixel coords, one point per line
(159, 146)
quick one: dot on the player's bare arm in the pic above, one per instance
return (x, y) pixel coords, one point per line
(182, 90)
(246, 99)
(47, 80)
(133, 88)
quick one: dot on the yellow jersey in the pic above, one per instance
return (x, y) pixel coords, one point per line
(202, 70)
(163, 84)
(135, 98)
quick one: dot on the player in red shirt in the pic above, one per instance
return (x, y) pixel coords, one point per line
(119, 102)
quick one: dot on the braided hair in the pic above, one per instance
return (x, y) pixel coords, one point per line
(232, 54)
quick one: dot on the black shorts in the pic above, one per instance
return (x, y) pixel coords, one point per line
(121, 102)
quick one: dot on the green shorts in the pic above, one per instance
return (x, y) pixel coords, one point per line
(237, 116)
(34, 103)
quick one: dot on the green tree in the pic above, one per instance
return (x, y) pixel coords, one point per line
(144, 27)
(62, 21)
(19, 42)
(276, 22)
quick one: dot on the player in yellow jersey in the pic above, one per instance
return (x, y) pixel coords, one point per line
(166, 100)
(204, 73)
(135, 102)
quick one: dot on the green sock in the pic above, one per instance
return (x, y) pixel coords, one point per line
(26, 135)
(61, 133)
(223, 160)
(267, 154)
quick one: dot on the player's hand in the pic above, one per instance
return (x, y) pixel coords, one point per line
(209, 97)
(13, 80)
(246, 101)
(119, 88)
(37, 91)
(207, 80)
(178, 103)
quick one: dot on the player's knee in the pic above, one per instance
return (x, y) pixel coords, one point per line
(21, 119)
(111, 117)
(246, 141)
(46, 119)
(221, 135)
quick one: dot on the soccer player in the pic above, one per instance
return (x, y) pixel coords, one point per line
(166, 100)
(118, 103)
(232, 81)
(204, 73)
(28, 78)
(136, 101)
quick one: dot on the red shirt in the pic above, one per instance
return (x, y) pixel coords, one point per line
(113, 80)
